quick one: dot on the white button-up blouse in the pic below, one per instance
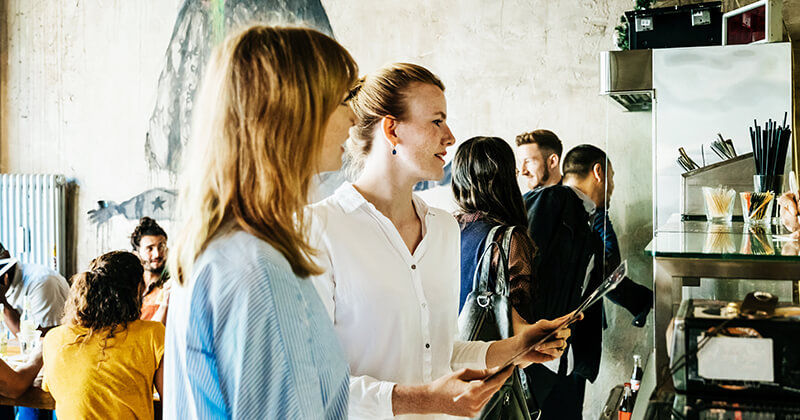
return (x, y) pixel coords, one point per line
(394, 312)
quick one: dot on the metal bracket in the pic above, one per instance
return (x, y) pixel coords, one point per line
(701, 17)
(691, 281)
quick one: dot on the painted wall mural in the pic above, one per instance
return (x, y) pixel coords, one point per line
(199, 27)
(157, 203)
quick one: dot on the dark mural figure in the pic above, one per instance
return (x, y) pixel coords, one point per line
(157, 203)
(199, 27)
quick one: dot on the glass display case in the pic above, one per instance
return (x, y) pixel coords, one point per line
(699, 95)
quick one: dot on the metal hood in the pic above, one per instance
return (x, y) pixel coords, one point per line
(627, 77)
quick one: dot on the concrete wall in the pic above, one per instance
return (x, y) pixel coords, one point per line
(78, 85)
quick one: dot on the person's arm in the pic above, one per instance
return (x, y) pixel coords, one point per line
(259, 335)
(502, 350)
(10, 315)
(634, 297)
(158, 380)
(789, 213)
(522, 281)
(14, 382)
(439, 395)
(637, 299)
(163, 306)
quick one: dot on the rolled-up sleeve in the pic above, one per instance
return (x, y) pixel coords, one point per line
(469, 354)
(371, 398)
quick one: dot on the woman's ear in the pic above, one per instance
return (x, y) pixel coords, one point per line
(389, 129)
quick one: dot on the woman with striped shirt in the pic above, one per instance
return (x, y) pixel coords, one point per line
(247, 335)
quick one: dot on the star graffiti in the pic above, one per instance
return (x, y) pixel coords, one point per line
(158, 203)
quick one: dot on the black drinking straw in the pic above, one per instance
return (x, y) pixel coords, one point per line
(770, 145)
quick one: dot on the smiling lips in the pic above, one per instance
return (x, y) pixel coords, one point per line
(440, 156)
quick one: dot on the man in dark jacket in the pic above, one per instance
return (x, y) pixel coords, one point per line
(571, 264)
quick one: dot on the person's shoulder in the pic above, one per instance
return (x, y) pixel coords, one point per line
(438, 217)
(333, 204)
(39, 273)
(58, 336)
(239, 263)
(154, 327)
(238, 249)
(548, 196)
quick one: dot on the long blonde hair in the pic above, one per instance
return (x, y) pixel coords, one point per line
(258, 128)
(378, 95)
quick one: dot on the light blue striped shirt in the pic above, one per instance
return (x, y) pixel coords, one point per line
(247, 339)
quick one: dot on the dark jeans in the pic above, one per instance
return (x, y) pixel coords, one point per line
(8, 412)
(565, 401)
(27, 413)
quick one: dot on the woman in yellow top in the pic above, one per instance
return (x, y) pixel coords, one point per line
(103, 361)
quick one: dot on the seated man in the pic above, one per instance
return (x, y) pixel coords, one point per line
(149, 242)
(45, 289)
(570, 264)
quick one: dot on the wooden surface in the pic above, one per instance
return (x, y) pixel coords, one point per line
(35, 396)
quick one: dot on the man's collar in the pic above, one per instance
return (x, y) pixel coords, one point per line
(588, 204)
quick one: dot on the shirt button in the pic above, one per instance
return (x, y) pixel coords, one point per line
(413, 266)
(424, 305)
(427, 345)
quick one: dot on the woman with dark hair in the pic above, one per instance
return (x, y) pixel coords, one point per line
(486, 190)
(117, 355)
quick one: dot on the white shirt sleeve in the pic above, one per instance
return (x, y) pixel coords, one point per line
(469, 354)
(370, 398)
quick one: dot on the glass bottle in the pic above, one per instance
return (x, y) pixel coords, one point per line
(636, 376)
(626, 406)
(26, 322)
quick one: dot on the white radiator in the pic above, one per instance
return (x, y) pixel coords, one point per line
(32, 218)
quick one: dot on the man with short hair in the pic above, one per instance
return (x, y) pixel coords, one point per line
(45, 289)
(571, 264)
(540, 155)
(149, 243)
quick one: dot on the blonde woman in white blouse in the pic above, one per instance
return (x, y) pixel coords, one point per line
(392, 263)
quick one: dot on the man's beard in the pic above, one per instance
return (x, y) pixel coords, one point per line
(155, 270)
(544, 178)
